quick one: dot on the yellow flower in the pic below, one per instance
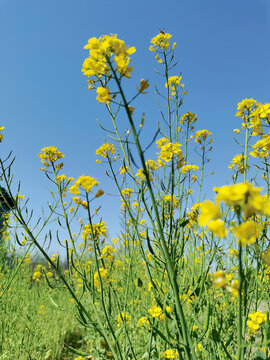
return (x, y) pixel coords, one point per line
(168, 199)
(107, 253)
(105, 150)
(218, 228)
(37, 275)
(103, 95)
(161, 142)
(102, 273)
(86, 182)
(245, 196)
(209, 211)
(160, 41)
(262, 147)
(1, 135)
(168, 150)
(156, 311)
(220, 280)
(126, 193)
(247, 232)
(96, 231)
(187, 168)
(123, 318)
(246, 105)
(100, 50)
(234, 288)
(143, 321)
(202, 134)
(172, 83)
(50, 154)
(239, 162)
(123, 170)
(152, 165)
(170, 354)
(257, 319)
(189, 118)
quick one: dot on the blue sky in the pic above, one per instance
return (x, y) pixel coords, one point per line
(223, 53)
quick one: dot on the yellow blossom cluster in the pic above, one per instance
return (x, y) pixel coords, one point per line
(211, 216)
(123, 317)
(94, 231)
(252, 112)
(170, 354)
(103, 95)
(143, 321)
(161, 41)
(123, 169)
(105, 150)
(188, 117)
(107, 253)
(1, 135)
(171, 198)
(245, 197)
(100, 52)
(262, 147)
(247, 232)
(168, 150)
(246, 105)
(156, 312)
(202, 134)
(238, 162)
(101, 273)
(257, 319)
(50, 155)
(99, 62)
(126, 193)
(153, 165)
(193, 215)
(86, 182)
(187, 168)
(221, 280)
(172, 83)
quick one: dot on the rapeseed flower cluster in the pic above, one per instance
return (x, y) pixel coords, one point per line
(257, 319)
(1, 135)
(94, 231)
(168, 150)
(189, 118)
(172, 83)
(49, 155)
(247, 232)
(105, 150)
(238, 162)
(245, 197)
(161, 42)
(170, 354)
(86, 182)
(100, 62)
(262, 147)
(211, 216)
(202, 134)
(188, 167)
(123, 317)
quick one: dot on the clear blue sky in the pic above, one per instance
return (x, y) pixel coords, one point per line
(223, 53)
